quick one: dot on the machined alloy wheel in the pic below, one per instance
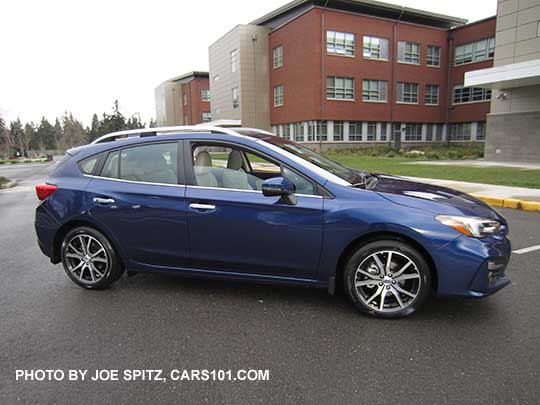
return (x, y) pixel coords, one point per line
(89, 259)
(387, 279)
(86, 259)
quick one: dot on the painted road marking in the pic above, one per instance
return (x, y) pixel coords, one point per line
(527, 250)
(16, 189)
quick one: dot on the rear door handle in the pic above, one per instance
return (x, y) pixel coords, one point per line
(202, 207)
(99, 200)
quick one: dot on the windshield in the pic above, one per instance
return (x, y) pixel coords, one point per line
(321, 161)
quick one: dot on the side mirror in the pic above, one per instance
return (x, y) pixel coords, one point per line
(280, 187)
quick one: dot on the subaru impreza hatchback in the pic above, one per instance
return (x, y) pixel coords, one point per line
(244, 204)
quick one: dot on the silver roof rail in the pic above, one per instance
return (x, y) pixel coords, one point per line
(164, 130)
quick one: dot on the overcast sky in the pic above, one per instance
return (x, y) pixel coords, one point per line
(80, 56)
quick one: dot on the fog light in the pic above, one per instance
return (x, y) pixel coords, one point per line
(495, 265)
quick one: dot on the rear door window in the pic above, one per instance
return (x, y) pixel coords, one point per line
(156, 163)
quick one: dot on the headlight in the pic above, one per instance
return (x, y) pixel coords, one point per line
(471, 226)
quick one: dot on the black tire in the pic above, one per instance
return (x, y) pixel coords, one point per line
(360, 289)
(92, 265)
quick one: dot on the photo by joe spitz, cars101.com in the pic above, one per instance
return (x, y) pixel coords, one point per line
(244, 204)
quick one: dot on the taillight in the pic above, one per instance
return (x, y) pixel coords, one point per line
(45, 190)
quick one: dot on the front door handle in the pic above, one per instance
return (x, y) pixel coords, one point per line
(99, 200)
(202, 207)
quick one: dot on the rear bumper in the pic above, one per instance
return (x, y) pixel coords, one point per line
(46, 227)
(475, 268)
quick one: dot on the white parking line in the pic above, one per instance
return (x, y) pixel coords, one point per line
(16, 189)
(526, 250)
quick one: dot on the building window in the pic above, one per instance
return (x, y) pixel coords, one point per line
(434, 132)
(371, 131)
(407, 93)
(235, 98)
(234, 60)
(460, 131)
(375, 48)
(205, 94)
(206, 117)
(463, 95)
(317, 131)
(409, 52)
(287, 131)
(184, 97)
(432, 94)
(278, 56)
(374, 90)
(340, 88)
(481, 131)
(413, 132)
(433, 56)
(384, 131)
(355, 131)
(298, 131)
(278, 96)
(475, 51)
(338, 130)
(340, 43)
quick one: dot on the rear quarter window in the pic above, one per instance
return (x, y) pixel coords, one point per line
(88, 165)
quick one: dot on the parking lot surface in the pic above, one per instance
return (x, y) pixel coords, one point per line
(316, 347)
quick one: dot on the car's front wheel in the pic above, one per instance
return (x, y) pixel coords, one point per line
(89, 259)
(387, 279)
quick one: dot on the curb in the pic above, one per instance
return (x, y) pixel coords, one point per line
(509, 203)
(9, 184)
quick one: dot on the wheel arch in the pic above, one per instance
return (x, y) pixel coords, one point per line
(76, 223)
(372, 237)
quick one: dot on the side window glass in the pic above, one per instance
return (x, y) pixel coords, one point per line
(88, 165)
(303, 186)
(156, 163)
(224, 167)
(110, 168)
(261, 165)
(231, 168)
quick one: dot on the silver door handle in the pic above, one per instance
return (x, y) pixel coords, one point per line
(99, 200)
(204, 207)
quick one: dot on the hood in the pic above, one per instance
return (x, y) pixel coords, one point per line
(439, 200)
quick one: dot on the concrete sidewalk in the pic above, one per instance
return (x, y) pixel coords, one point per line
(478, 163)
(502, 196)
(491, 190)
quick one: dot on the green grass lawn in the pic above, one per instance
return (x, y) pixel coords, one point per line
(504, 176)
(3, 180)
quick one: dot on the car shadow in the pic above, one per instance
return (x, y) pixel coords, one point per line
(436, 309)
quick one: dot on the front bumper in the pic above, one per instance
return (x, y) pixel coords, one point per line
(475, 268)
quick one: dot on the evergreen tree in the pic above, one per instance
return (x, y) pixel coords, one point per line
(94, 131)
(58, 133)
(17, 136)
(45, 134)
(3, 136)
(73, 132)
(31, 135)
(153, 123)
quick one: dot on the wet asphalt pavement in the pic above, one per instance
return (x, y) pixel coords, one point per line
(316, 347)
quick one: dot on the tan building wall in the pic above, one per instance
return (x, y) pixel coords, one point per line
(251, 76)
(517, 40)
(168, 98)
(513, 125)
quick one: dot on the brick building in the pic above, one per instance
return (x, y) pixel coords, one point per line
(343, 72)
(183, 100)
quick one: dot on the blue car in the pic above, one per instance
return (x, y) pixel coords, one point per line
(243, 204)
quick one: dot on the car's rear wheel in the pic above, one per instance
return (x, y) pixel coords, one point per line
(89, 259)
(387, 279)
